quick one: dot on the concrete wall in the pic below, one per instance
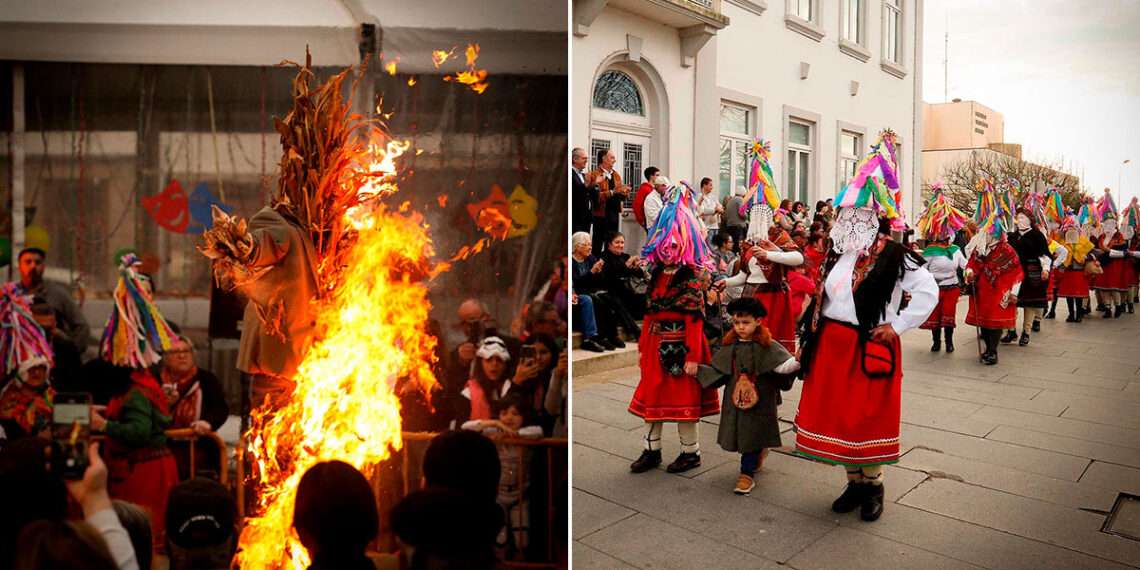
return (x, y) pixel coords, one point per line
(956, 125)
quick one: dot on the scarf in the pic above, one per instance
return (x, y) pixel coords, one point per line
(29, 406)
(946, 251)
(480, 405)
(184, 395)
(999, 260)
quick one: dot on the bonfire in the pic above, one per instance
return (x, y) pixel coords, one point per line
(337, 177)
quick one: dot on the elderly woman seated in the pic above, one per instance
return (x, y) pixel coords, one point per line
(197, 401)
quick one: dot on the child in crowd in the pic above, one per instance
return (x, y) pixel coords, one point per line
(487, 384)
(26, 402)
(515, 421)
(753, 369)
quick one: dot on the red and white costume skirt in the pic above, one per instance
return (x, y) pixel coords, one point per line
(665, 393)
(986, 310)
(844, 416)
(1072, 283)
(780, 320)
(945, 313)
(1115, 276)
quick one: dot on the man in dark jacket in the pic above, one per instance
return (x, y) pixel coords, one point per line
(584, 192)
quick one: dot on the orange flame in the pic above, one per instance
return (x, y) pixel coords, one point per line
(439, 56)
(390, 67)
(475, 78)
(411, 82)
(371, 345)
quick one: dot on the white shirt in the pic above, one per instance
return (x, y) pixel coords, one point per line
(707, 208)
(755, 275)
(839, 299)
(107, 524)
(1060, 255)
(945, 269)
(653, 205)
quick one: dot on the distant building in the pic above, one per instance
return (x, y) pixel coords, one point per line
(684, 85)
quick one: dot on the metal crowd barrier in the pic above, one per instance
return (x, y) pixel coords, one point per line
(187, 434)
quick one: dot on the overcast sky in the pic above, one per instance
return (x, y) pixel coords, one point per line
(1065, 75)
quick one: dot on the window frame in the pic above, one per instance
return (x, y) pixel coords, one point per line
(893, 65)
(841, 128)
(736, 140)
(857, 48)
(813, 150)
(812, 27)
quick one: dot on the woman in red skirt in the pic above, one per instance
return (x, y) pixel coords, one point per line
(765, 260)
(672, 341)
(938, 225)
(141, 468)
(849, 407)
(994, 271)
(1072, 282)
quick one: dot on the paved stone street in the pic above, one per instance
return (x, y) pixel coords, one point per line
(1010, 466)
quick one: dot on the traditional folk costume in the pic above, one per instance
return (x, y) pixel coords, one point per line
(25, 400)
(1053, 215)
(766, 279)
(1131, 219)
(749, 422)
(938, 224)
(1072, 281)
(850, 405)
(1112, 250)
(672, 334)
(1089, 220)
(141, 468)
(994, 270)
(1032, 249)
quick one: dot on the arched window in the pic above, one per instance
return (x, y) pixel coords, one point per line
(616, 91)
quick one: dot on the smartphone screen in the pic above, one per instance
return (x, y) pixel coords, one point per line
(528, 353)
(71, 432)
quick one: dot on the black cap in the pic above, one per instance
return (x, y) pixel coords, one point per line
(200, 513)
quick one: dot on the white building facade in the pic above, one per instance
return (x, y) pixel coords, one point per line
(683, 85)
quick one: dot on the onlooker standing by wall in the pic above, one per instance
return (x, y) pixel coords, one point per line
(734, 223)
(69, 320)
(644, 191)
(655, 201)
(584, 193)
(710, 210)
(611, 195)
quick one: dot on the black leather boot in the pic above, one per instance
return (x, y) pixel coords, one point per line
(937, 335)
(684, 462)
(1119, 311)
(1010, 336)
(872, 507)
(851, 498)
(648, 460)
(1024, 340)
(1036, 327)
(949, 340)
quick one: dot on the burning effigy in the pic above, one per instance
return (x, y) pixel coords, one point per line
(335, 328)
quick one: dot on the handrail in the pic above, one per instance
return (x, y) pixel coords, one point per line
(190, 435)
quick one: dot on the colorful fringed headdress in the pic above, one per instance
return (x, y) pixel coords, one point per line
(875, 182)
(1069, 223)
(940, 220)
(21, 338)
(136, 332)
(992, 211)
(1034, 202)
(761, 182)
(1106, 207)
(1088, 215)
(1054, 207)
(677, 226)
(1132, 214)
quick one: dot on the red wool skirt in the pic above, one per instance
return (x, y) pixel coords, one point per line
(1115, 276)
(1051, 288)
(985, 308)
(780, 320)
(1072, 283)
(146, 480)
(845, 417)
(945, 313)
(664, 397)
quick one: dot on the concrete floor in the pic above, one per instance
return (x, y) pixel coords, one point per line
(1010, 466)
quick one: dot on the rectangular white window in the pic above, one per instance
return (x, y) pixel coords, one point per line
(851, 23)
(850, 145)
(801, 9)
(736, 134)
(597, 145)
(799, 161)
(892, 31)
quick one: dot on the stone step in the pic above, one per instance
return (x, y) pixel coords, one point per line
(584, 362)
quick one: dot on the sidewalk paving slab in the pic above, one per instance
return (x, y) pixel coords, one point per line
(854, 550)
(1074, 529)
(592, 513)
(1038, 461)
(1078, 429)
(1072, 446)
(646, 542)
(587, 558)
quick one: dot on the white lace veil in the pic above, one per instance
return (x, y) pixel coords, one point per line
(855, 229)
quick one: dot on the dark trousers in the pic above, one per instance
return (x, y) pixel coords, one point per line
(603, 227)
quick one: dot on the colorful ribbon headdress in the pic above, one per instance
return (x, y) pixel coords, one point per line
(678, 224)
(1088, 216)
(1054, 207)
(761, 182)
(1069, 223)
(992, 212)
(940, 220)
(21, 338)
(1035, 203)
(1106, 207)
(1132, 214)
(136, 332)
(875, 180)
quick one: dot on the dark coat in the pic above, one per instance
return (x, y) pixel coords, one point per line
(751, 430)
(583, 199)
